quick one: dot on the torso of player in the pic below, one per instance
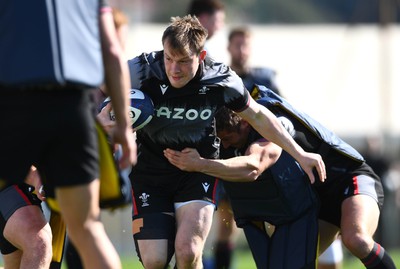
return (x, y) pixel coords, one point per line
(184, 117)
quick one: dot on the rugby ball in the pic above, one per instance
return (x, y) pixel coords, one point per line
(141, 109)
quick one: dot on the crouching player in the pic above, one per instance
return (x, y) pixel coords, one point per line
(352, 195)
(266, 186)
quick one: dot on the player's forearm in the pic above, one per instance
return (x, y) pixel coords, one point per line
(118, 85)
(117, 78)
(238, 169)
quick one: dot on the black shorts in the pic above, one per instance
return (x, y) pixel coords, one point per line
(155, 192)
(292, 246)
(361, 181)
(11, 199)
(53, 130)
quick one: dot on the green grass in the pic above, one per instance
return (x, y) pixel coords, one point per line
(244, 260)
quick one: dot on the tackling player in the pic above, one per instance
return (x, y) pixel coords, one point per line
(265, 186)
(352, 195)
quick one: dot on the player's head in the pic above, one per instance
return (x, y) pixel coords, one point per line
(183, 43)
(211, 14)
(239, 46)
(231, 128)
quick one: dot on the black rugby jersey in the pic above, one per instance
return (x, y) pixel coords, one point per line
(262, 76)
(341, 159)
(184, 117)
(281, 194)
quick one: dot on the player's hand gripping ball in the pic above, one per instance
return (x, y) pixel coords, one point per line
(141, 110)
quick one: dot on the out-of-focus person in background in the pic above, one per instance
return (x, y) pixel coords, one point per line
(121, 23)
(240, 49)
(211, 14)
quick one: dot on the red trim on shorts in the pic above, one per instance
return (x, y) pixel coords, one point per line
(22, 194)
(134, 206)
(355, 185)
(215, 190)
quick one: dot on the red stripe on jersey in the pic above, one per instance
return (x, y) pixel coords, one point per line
(22, 194)
(355, 185)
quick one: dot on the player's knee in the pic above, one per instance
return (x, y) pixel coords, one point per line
(37, 238)
(187, 252)
(358, 244)
(45, 239)
(154, 262)
(39, 246)
(154, 227)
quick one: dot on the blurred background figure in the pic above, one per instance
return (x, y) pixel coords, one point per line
(211, 14)
(239, 48)
(121, 23)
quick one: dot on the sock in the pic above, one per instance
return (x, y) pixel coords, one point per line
(378, 259)
(223, 255)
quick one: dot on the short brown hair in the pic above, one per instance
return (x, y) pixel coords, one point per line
(185, 34)
(227, 120)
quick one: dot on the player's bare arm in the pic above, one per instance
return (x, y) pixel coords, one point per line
(268, 126)
(118, 85)
(259, 156)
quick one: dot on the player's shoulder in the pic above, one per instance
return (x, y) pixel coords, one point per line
(146, 66)
(220, 74)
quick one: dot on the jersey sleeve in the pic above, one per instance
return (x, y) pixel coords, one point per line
(237, 97)
(146, 66)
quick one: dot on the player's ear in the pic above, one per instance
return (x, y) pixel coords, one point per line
(244, 124)
(203, 55)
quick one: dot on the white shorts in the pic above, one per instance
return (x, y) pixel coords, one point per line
(333, 254)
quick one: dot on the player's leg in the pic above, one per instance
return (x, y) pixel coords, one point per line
(226, 233)
(154, 236)
(328, 233)
(71, 168)
(258, 241)
(12, 260)
(295, 245)
(153, 216)
(194, 221)
(25, 234)
(80, 209)
(28, 230)
(360, 215)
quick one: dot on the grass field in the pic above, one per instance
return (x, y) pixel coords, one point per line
(243, 260)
